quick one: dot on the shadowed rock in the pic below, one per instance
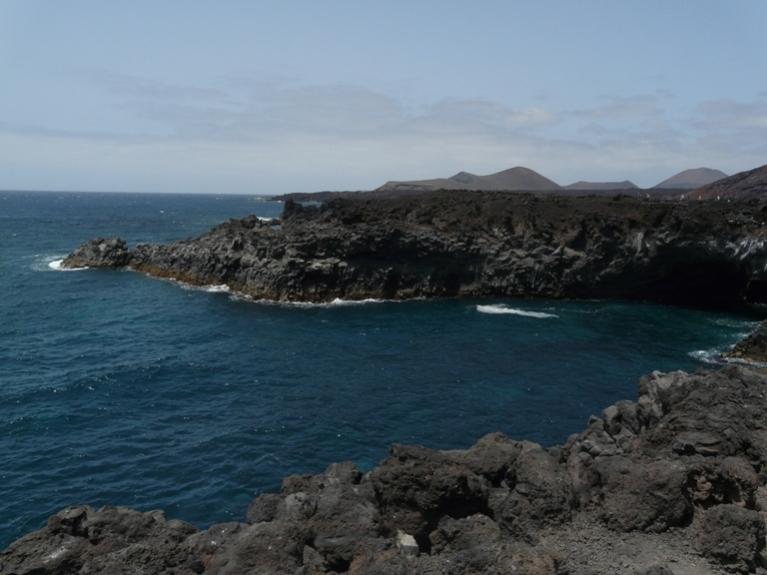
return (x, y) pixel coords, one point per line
(472, 244)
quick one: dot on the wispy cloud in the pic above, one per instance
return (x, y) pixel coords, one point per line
(279, 135)
(622, 108)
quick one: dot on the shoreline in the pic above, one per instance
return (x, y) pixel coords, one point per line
(499, 503)
(672, 482)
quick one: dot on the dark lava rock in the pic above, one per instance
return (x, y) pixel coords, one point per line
(676, 477)
(733, 536)
(655, 570)
(753, 348)
(473, 244)
(99, 253)
(644, 495)
(83, 540)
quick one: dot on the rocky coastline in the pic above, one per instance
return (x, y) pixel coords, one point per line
(672, 483)
(474, 244)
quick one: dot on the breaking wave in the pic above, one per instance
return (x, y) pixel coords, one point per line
(501, 309)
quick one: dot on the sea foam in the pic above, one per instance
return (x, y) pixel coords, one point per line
(709, 356)
(57, 265)
(501, 309)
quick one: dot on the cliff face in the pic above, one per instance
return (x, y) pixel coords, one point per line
(671, 483)
(472, 244)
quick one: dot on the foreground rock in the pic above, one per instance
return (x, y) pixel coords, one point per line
(473, 244)
(672, 483)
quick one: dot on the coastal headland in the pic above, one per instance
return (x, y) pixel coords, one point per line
(448, 244)
(673, 482)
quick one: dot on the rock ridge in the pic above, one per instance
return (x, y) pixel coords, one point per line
(479, 244)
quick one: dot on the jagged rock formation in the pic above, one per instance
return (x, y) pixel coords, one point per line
(671, 483)
(472, 244)
(513, 179)
(691, 179)
(748, 184)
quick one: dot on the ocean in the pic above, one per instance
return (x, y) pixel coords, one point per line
(120, 389)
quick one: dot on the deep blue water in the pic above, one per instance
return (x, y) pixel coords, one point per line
(117, 388)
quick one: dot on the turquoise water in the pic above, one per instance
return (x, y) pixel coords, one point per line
(117, 388)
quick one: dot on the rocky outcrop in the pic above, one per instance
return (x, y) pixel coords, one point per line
(473, 244)
(753, 348)
(100, 253)
(672, 483)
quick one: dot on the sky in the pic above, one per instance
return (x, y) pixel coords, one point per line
(296, 96)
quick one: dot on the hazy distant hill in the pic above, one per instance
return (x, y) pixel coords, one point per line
(748, 184)
(518, 178)
(594, 186)
(691, 179)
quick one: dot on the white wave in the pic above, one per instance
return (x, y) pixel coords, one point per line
(501, 309)
(210, 288)
(55, 263)
(337, 302)
(264, 218)
(710, 356)
(736, 323)
(219, 288)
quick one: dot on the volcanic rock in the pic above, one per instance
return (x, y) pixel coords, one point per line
(473, 244)
(671, 483)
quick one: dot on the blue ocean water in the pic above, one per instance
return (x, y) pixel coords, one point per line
(116, 388)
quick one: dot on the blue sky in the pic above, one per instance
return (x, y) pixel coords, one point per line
(271, 97)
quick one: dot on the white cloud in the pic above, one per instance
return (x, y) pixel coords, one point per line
(276, 135)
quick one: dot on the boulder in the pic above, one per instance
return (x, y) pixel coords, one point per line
(732, 536)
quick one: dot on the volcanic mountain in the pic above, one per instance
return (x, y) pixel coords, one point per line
(598, 186)
(748, 184)
(513, 179)
(691, 179)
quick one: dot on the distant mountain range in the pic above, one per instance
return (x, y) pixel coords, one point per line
(513, 179)
(691, 179)
(703, 183)
(525, 179)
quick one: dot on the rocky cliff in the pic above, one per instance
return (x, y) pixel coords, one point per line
(472, 244)
(673, 483)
